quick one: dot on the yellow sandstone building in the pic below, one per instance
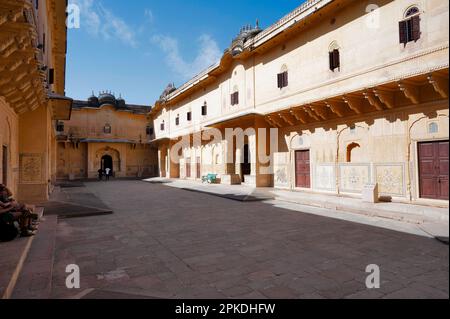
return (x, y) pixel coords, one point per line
(32, 82)
(358, 93)
(105, 132)
(355, 91)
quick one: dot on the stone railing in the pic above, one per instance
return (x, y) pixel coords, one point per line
(303, 7)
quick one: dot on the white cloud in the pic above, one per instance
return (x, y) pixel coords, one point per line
(208, 54)
(100, 21)
(149, 15)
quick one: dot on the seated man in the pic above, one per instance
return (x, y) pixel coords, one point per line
(23, 214)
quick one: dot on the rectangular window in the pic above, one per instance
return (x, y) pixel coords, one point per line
(189, 116)
(162, 126)
(149, 130)
(59, 126)
(282, 80)
(51, 76)
(409, 30)
(235, 98)
(204, 110)
(335, 60)
(177, 121)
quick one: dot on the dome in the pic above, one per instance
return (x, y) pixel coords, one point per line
(107, 98)
(121, 102)
(93, 100)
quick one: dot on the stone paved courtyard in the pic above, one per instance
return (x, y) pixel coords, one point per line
(163, 242)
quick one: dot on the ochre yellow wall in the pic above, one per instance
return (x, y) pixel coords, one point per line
(9, 137)
(82, 160)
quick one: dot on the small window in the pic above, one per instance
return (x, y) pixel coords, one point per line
(350, 149)
(409, 28)
(204, 109)
(162, 126)
(283, 79)
(51, 76)
(107, 129)
(235, 98)
(149, 130)
(177, 120)
(335, 59)
(59, 126)
(433, 128)
(189, 116)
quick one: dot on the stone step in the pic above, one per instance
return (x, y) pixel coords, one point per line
(394, 211)
(35, 279)
(14, 255)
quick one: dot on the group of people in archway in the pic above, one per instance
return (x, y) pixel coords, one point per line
(16, 219)
(106, 173)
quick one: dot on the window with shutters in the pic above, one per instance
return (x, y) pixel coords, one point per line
(204, 109)
(409, 27)
(282, 78)
(335, 59)
(235, 98)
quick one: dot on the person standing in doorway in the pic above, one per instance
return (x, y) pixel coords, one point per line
(108, 173)
(100, 174)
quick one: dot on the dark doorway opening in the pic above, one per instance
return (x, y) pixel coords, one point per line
(107, 162)
(5, 165)
(246, 166)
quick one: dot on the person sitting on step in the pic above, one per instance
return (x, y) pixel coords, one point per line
(22, 214)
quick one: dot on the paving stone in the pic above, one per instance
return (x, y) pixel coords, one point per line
(171, 243)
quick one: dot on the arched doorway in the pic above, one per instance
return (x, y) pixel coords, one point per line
(107, 162)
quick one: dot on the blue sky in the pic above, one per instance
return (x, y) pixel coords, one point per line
(135, 48)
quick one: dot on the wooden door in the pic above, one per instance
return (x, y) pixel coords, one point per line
(198, 169)
(188, 167)
(302, 169)
(433, 170)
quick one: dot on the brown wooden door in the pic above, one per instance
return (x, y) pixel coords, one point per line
(302, 169)
(188, 167)
(433, 170)
(198, 168)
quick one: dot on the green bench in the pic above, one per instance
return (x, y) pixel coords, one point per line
(210, 178)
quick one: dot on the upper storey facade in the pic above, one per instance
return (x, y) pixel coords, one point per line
(105, 118)
(323, 49)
